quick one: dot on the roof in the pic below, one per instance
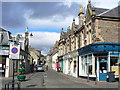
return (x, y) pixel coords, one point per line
(100, 10)
(3, 30)
(109, 13)
(4, 36)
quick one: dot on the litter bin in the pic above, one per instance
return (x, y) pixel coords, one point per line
(111, 76)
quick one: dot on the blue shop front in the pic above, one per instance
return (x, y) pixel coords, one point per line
(97, 59)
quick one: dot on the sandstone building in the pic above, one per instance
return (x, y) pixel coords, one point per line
(92, 47)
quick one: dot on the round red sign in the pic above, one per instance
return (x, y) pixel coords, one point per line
(14, 50)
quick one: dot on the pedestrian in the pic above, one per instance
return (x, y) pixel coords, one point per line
(57, 66)
(46, 64)
(46, 67)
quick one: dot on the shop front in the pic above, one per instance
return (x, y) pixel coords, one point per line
(96, 60)
(73, 63)
(4, 60)
(61, 63)
(66, 64)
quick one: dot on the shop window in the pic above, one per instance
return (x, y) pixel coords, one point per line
(90, 69)
(74, 66)
(114, 61)
(95, 64)
(90, 65)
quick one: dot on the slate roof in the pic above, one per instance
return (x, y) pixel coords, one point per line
(108, 12)
(100, 10)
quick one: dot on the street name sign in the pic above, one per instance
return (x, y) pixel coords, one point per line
(14, 51)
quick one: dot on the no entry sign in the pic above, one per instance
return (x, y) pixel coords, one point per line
(14, 51)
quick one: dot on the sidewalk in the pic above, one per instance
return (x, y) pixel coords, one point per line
(10, 78)
(92, 83)
(5, 80)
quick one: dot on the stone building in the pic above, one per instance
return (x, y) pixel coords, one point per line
(36, 56)
(6, 64)
(92, 47)
(54, 55)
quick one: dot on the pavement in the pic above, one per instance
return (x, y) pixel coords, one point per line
(24, 84)
(34, 81)
(95, 84)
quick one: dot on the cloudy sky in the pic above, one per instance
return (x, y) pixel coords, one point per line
(44, 19)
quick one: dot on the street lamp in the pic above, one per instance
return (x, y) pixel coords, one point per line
(31, 35)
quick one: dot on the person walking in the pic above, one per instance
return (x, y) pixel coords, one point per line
(46, 64)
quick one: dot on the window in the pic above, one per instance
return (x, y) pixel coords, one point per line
(114, 61)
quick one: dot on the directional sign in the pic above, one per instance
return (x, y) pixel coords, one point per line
(14, 51)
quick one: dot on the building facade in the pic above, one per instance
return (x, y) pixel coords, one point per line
(91, 48)
(6, 39)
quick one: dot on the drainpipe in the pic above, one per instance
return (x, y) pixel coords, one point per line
(119, 69)
(78, 67)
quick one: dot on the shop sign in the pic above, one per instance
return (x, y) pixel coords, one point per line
(4, 52)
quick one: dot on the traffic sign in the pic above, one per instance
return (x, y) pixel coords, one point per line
(14, 51)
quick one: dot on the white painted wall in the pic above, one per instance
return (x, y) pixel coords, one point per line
(66, 66)
(76, 69)
(80, 66)
(7, 67)
(54, 57)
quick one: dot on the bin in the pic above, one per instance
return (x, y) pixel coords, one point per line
(111, 76)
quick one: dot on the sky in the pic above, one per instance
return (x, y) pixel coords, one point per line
(44, 18)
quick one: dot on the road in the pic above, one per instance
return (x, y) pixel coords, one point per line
(53, 79)
(56, 80)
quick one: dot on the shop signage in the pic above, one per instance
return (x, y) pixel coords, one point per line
(4, 52)
(74, 54)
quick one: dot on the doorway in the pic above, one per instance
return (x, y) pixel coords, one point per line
(103, 70)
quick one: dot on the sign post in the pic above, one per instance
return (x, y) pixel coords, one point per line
(14, 55)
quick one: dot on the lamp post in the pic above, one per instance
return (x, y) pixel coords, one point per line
(31, 35)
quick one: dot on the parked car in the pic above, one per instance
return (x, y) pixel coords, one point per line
(40, 68)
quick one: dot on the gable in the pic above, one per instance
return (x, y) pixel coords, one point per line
(89, 12)
(111, 13)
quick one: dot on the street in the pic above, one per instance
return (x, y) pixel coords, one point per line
(56, 80)
(74, 42)
(53, 79)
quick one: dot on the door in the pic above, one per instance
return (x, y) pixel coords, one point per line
(103, 70)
